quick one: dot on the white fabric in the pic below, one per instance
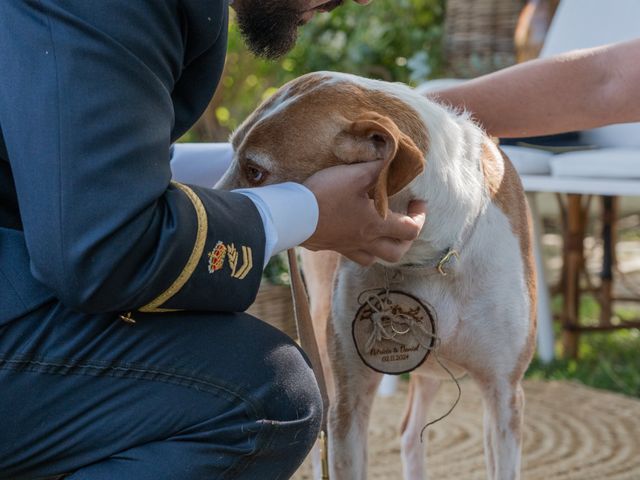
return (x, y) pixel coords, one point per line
(200, 164)
(620, 135)
(591, 186)
(590, 23)
(438, 84)
(622, 163)
(289, 213)
(528, 161)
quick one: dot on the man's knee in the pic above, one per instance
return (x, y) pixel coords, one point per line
(279, 381)
(289, 391)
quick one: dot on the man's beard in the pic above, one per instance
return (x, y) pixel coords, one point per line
(270, 27)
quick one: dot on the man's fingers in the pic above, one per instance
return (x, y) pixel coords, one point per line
(417, 210)
(405, 227)
(358, 232)
(364, 174)
(401, 231)
(358, 177)
(389, 249)
(361, 257)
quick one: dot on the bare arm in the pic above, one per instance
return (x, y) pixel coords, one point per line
(579, 90)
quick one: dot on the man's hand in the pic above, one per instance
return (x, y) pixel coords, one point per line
(348, 222)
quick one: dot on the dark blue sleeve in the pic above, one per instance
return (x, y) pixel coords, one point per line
(87, 110)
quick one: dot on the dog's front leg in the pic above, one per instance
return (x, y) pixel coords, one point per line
(348, 427)
(503, 416)
(355, 388)
(422, 391)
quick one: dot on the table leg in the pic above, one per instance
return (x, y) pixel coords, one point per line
(609, 215)
(573, 258)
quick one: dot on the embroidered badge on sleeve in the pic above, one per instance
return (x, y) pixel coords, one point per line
(247, 261)
(216, 257)
(229, 252)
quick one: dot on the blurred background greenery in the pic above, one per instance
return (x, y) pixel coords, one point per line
(394, 40)
(607, 360)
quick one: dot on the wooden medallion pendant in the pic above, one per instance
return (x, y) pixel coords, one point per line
(393, 331)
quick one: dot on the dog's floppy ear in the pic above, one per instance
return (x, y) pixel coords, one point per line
(375, 137)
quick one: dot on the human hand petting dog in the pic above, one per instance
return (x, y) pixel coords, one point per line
(348, 222)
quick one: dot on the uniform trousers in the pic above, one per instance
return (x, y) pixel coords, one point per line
(174, 396)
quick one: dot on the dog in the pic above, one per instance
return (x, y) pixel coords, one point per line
(465, 291)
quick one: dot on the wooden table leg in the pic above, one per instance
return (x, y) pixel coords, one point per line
(609, 215)
(573, 258)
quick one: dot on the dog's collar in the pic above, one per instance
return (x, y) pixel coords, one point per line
(443, 263)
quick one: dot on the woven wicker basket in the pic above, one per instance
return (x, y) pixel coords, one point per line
(275, 306)
(479, 36)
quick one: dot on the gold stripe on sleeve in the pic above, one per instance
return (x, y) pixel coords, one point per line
(192, 263)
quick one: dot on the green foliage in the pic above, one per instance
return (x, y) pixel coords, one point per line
(277, 270)
(605, 360)
(608, 360)
(394, 40)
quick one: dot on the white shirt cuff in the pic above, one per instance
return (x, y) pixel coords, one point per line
(201, 164)
(289, 212)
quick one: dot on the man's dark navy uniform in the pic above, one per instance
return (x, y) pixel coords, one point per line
(92, 95)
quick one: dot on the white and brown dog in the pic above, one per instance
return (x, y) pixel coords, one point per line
(481, 299)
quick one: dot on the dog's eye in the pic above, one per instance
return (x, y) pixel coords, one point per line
(255, 174)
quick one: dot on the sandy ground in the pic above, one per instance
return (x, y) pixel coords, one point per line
(571, 433)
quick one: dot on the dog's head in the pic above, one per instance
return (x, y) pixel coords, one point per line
(326, 119)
